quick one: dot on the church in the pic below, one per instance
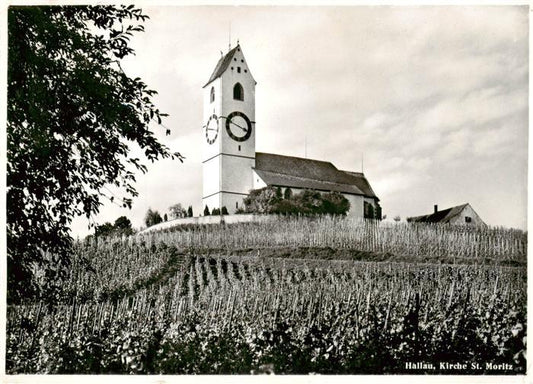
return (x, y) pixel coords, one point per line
(232, 167)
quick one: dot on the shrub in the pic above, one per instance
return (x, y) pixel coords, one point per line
(287, 194)
(308, 202)
(261, 200)
(152, 218)
(177, 211)
(335, 203)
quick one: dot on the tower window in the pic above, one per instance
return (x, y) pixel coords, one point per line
(232, 68)
(245, 71)
(238, 92)
(239, 147)
(234, 59)
(212, 94)
(468, 219)
(239, 69)
(242, 61)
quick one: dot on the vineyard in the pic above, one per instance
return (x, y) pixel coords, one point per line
(296, 296)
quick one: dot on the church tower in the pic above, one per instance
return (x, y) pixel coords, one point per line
(228, 133)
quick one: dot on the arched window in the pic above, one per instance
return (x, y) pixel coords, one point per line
(238, 92)
(212, 94)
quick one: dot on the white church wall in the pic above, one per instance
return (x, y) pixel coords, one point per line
(247, 106)
(211, 165)
(211, 177)
(257, 182)
(227, 175)
(210, 108)
(356, 205)
(211, 202)
(238, 157)
(232, 202)
(237, 174)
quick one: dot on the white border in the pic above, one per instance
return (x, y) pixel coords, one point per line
(183, 379)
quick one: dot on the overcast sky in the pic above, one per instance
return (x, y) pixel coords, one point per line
(434, 98)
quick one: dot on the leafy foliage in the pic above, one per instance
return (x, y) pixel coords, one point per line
(206, 211)
(261, 200)
(105, 229)
(370, 212)
(122, 226)
(189, 211)
(152, 218)
(177, 211)
(72, 115)
(271, 200)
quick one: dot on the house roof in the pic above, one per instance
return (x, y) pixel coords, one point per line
(222, 65)
(443, 216)
(296, 172)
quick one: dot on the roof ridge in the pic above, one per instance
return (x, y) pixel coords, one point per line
(455, 206)
(302, 177)
(353, 173)
(449, 213)
(222, 64)
(325, 184)
(455, 210)
(297, 157)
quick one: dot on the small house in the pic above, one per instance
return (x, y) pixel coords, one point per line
(459, 215)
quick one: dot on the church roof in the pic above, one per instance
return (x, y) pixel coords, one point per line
(443, 216)
(296, 172)
(222, 65)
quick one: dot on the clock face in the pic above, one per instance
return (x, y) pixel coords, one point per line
(211, 129)
(238, 126)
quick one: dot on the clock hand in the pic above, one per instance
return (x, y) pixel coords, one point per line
(244, 129)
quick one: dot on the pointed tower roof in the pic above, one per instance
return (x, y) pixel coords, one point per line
(222, 65)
